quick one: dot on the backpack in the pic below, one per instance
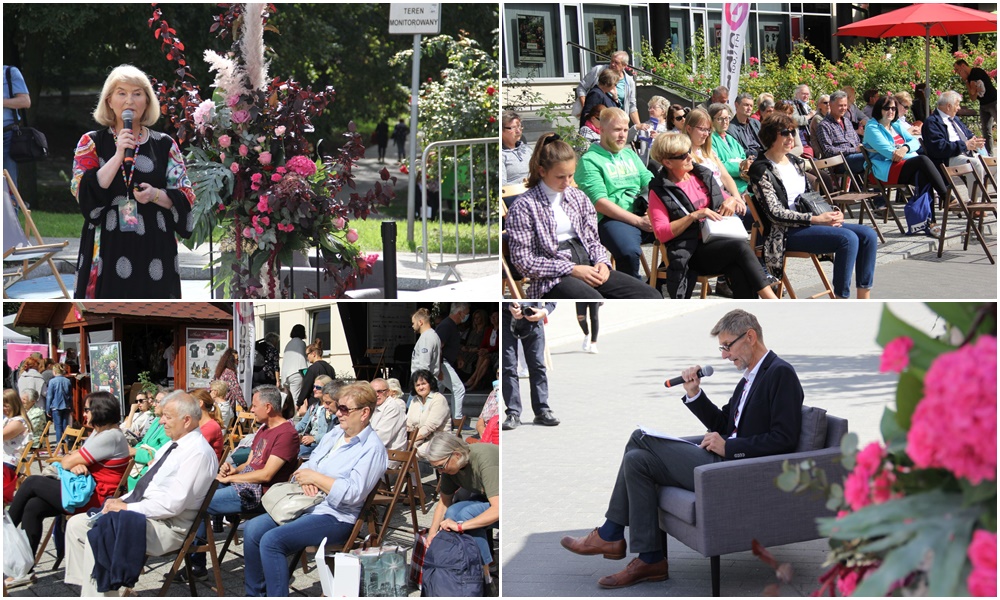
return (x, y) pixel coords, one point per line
(452, 567)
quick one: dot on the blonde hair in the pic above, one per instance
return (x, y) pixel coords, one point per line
(699, 118)
(669, 144)
(220, 387)
(132, 76)
(362, 393)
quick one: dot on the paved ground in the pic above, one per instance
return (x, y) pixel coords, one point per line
(556, 481)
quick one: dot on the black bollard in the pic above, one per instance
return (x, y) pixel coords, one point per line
(389, 258)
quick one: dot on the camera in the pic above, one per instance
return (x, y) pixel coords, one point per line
(527, 311)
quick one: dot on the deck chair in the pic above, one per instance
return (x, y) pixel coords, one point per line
(845, 200)
(395, 485)
(659, 273)
(757, 243)
(22, 255)
(954, 202)
(512, 283)
(189, 546)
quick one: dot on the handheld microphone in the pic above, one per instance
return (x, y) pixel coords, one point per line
(127, 116)
(702, 372)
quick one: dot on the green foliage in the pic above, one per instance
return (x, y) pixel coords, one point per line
(146, 383)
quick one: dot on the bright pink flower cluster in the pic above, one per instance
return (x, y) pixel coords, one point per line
(983, 556)
(286, 228)
(955, 424)
(302, 165)
(896, 355)
(872, 480)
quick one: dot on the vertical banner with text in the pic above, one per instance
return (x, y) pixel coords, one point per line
(244, 340)
(735, 18)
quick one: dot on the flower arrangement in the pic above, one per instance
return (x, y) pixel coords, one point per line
(917, 512)
(251, 162)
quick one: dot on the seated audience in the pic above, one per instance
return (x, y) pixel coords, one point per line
(317, 367)
(488, 353)
(893, 151)
(389, 418)
(698, 128)
(744, 127)
(516, 152)
(765, 104)
(104, 456)
(29, 398)
(552, 228)
(210, 421)
(488, 423)
(428, 413)
(272, 460)
(219, 390)
(837, 134)
(168, 496)
(681, 195)
(658, 109)
(676, 116)
(346, 467)
(789, 109)
(904, 102)
(591, 128)
(729, 151)
(947, 141)
(612, 175)
(779, 179)
(140, 415)
(154, 439)
(16, 437)
(604, 93)
(822, 109)
(320, 418)
(476, 470)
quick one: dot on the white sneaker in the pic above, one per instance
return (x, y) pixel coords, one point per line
(585, 346)
(593, 348)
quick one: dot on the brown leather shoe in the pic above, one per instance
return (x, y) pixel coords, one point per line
(593, 544)
(636, 572)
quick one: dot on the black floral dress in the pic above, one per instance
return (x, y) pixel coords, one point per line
(141, 261)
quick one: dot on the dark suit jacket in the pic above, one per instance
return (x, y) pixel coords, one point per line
(936, 144)
(772, 416)
(594, 97)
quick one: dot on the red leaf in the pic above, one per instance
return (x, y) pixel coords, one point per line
(179, 46)
(762, 553)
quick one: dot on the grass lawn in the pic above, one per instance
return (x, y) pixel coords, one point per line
(64, 226)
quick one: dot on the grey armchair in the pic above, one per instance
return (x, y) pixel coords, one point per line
(735, 502)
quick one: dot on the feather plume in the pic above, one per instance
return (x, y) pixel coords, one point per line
(252, 45)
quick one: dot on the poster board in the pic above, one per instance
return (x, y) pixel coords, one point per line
(204, 348)
(530, 39)
(16, 353)
(605, 35)
(106, 370)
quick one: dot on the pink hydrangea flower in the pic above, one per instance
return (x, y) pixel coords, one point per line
(882, 487)
(983, 556)
(352, 236)
(244, 150)
(276, 177)
(301, 165)
(225, 141)
(857, 492)
(896, 355)
(955, 424)
(264, 158)
(870, 459)
(847, 583)
(235, 167)
(241, 116)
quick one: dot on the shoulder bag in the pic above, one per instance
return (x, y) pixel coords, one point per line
(26, 143)
(730, 227)
(814, 203)
(286, 502)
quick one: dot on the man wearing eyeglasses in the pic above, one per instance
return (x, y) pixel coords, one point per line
(389, 418)
(763, 417)
(837, 133)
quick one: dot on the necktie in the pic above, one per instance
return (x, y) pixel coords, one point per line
(145, 480)
(739, 405)
(961, 135)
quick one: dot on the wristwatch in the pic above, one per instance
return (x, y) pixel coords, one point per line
(459, 523)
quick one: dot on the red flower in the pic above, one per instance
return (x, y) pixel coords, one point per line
(492, 119)
(490, 90)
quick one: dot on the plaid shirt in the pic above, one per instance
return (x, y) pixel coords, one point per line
(531, 227)
(834, 138)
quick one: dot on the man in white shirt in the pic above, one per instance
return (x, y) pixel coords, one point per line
(389, 419)
(947, 140)
(169, 494)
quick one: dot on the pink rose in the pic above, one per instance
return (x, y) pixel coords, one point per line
(225, 141)
(232, 101)
(371, 259)
(244, 150)
(255, 181)
(847, 583)
(263, 206)
(279, 130)
(339, 222)
(241, 116)
(983, 556)
(978, 61)
(247, 232)
(235, 167)
(352, 236)
(896, 355)
(882, 488)
(222, 156)
(276, 177)
(857, 493)
(264, 158)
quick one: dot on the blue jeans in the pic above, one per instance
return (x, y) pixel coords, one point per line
(853, 246)
(625, 244)
(856, 161)
(60, 421)
(226, 501)
(463, 511)
(266, 548)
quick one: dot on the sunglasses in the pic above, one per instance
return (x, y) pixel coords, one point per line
(727, 347)
(382, 391)
(892, 108)
(684, 156)
(343, 409)
(786, 133)
(680, 118)
(317, 387)
(904, 106)
(514, 128)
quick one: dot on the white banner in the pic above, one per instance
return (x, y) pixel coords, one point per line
(243, 329)
(735, 18)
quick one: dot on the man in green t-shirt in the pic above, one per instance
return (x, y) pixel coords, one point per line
(612, 175)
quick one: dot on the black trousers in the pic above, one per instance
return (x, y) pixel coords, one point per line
(581, 317)
(920, 170)
(618, 285)
(735, 260)
(534, 356)
(649, 463)
(37, 499)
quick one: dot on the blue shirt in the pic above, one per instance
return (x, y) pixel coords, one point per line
(57, 397)
(17, 81)
(356, 468)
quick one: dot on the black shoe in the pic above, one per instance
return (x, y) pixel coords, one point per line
(198, 573)
(722, 288)
(546, 418)
(512, 422)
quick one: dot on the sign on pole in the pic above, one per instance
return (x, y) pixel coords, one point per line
(734, 29)
(413, 19)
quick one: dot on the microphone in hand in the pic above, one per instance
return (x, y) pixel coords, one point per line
(127, 116)
(702, 372)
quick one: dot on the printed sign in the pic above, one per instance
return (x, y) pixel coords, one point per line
(735, 19)
(106, 370)
(204, 348)
(530, 39)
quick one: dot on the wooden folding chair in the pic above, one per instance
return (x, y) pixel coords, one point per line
(458, 424)
(757, 243)
(510, 285)
(375, 367)
(659, 273)
(19, 252)
(244, 423)
(903, 191)
(954, 202)
(23, 467)
(367, 516)
(989, 174)
(841, 199)
(189, 546)
(72, 438)
(397, 484)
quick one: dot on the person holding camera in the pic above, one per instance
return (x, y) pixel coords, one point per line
(524, 322)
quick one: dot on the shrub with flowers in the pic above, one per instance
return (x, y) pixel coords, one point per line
(917, 512)
(251, 162)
